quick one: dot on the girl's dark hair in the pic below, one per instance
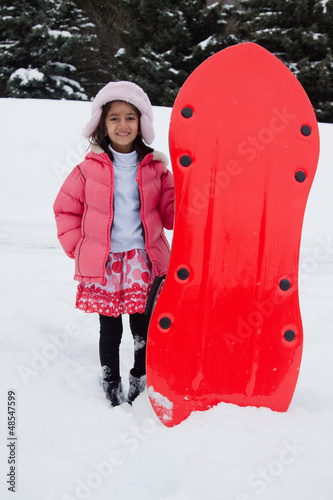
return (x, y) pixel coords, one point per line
(101, 138)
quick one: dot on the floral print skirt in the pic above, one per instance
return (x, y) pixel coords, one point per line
(129, 280)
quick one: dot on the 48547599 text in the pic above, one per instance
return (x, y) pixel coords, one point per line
(12, 441)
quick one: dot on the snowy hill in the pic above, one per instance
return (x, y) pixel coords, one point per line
(70, 443)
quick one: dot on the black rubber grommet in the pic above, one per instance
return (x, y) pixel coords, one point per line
(285, 285)
(185, 161)
(183, 273)
(306, 130)
(187, 112)
(165, 323)
(289, 335)
(300, 176)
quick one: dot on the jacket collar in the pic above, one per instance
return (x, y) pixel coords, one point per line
(154, 156)
(96, 148)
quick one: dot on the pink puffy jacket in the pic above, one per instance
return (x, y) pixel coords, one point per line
(84, 213)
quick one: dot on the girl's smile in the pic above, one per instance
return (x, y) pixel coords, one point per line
(122, 126)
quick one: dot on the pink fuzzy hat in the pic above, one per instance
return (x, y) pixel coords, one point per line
(128, 92)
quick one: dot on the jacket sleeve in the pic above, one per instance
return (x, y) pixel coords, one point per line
(68, 210)
(166, 204)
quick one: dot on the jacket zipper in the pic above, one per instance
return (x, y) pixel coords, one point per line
(112, 212)
(82, 224)
(140, 199)
(142, 222)
(165, 243)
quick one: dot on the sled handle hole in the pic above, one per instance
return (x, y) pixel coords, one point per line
(187, 112)
(300, 176)
(285, 285)
(183, 273)
(289, 335)
(306, 130)
(165, 323)
(185, 160)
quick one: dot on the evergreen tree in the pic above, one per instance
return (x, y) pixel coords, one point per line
(98, 65)
(328, 21)
(39, 41)
(325, 84)
(166, 41)
(294, 30)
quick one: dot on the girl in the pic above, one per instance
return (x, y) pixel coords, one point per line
(110, 213)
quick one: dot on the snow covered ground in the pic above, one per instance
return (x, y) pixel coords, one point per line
(70, 443)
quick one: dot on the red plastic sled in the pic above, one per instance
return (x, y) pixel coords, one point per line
(244, 145)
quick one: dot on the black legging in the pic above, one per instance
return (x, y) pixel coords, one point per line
(111, 330)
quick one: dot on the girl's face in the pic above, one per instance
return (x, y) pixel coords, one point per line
(122, 126)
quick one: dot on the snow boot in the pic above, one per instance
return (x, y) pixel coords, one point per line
(113, 388)
(136, 386)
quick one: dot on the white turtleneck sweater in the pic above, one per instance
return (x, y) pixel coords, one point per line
(126, 232)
